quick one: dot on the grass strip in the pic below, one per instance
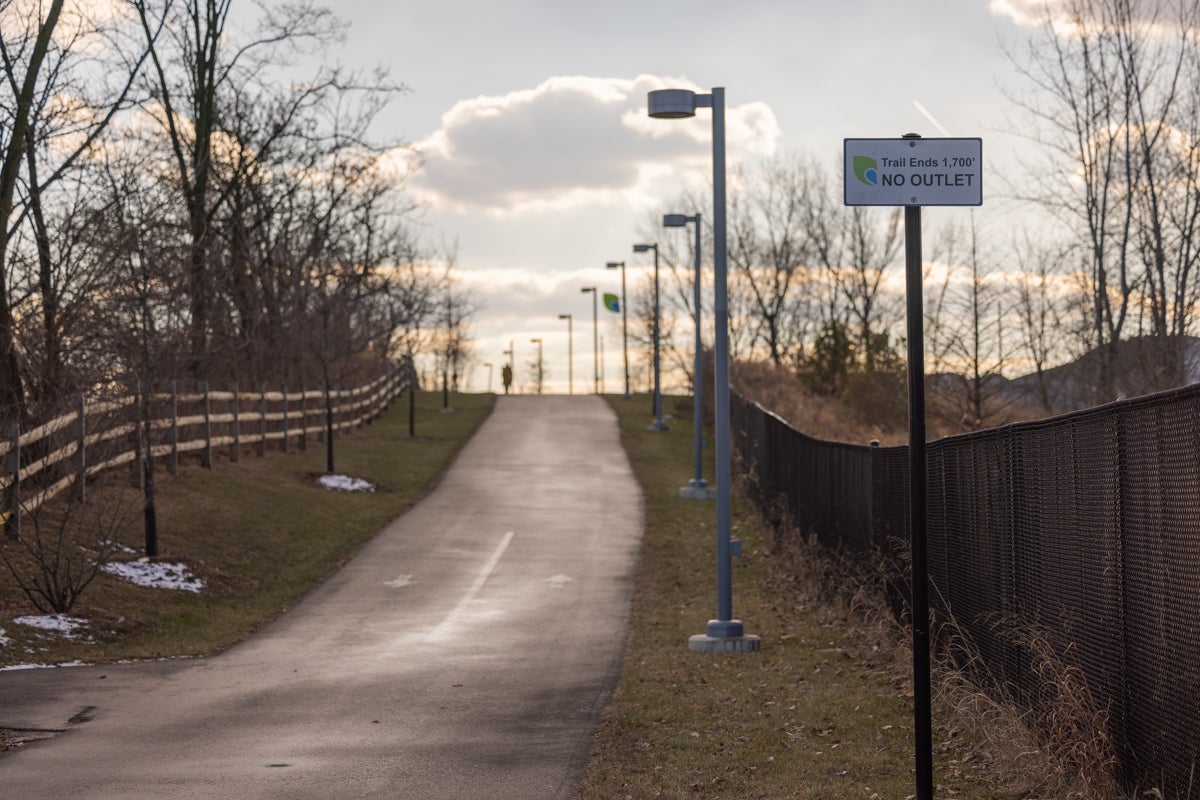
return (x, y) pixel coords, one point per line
(260, 533)
(824, 710)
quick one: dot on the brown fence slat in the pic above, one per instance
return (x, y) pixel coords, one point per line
(29, 484)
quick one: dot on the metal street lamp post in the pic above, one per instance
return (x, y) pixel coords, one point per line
(624, 323)
(697, 488)
(723, 633)
(658, 424)
(538, 342)
(570, 353)
(595, 337)
(489, 365)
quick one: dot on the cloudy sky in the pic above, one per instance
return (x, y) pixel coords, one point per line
(540, 161)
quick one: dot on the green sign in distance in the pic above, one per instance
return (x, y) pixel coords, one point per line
(913, 172)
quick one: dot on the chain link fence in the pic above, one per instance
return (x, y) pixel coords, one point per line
(1078, 535)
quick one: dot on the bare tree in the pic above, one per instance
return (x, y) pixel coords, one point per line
(770, 249)
(34, 47)
(1040, 313)
(69, 544)
(641, 332)
(457, 307)
(67, 71)
(869, 249)
(967, 321)
(1116, 115)
(197, 63)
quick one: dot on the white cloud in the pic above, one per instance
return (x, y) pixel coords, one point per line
(1035, 13)
(1029, 13)
(574, 141)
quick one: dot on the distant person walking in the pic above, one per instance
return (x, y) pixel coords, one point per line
(506, 376)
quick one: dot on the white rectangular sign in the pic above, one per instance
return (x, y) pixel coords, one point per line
(913, 172)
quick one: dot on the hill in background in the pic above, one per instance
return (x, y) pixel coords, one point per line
(876, 408)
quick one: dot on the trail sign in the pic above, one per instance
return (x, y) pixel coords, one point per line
(913, 172)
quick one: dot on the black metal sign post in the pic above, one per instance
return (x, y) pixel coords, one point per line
(913, 172)
(922, 703)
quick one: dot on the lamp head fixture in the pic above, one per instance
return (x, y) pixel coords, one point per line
(672, 103)
(643, 248)
(678, 220)
(614, 264)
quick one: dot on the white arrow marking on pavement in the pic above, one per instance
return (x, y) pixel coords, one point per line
(558, 581)
(401, 581)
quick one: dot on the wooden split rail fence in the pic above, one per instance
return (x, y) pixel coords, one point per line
(94, 437)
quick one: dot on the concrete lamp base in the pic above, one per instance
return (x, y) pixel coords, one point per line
(658, 426)
(724, 636)
(703, 643)
(698, 490)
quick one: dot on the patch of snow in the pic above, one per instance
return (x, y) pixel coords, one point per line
(15, 667)
(144, 572)
(344, 483)
(4, 640)
(55, 623)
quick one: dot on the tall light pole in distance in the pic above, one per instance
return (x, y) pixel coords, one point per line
(538, 342)
(723, 633)
(570, 353)
(489, 365)
(697, 488)
(658, 424)
(595, 337)
(624, 323)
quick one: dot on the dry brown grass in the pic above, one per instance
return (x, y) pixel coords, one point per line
(985, 745)
(784, 394)
(873, 413)
(1059, 748)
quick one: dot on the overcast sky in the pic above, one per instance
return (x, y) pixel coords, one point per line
(540, 161)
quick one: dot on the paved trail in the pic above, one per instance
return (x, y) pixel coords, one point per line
(465, 653)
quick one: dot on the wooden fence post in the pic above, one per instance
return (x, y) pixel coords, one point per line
(77, 489)
(328, 430)
(338, 411)
(139, 435)
(12, 519)
(262, 421)
(173, 461)
(207, 456)
(303, 418)
(323, 430)
(412, 408)
(283, 443)
(236, 447)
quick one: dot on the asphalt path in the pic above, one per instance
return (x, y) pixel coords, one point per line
(466, 652)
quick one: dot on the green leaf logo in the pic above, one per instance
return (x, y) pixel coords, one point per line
(866, 169)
